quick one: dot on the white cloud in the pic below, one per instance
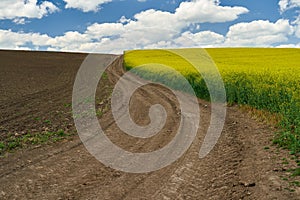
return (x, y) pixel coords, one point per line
(296, 24)
(116, 37)
(159, 29)
(147, 28)
(203, 39)
(11, 9)
(161, 45)
(124, 20)
(258, 33)
(200, 11)
(105, 30)
(289, 46)
(70, 40)
(19, 21)
(288, 4)
(190, 40)
(19, 40)
(153, 26)
(85, 5)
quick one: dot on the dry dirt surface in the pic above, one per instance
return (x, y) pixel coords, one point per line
(36, 92)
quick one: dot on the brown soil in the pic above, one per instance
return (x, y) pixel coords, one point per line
(36, 88)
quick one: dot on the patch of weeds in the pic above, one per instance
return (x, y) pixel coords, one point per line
(104, 76)
(266, 148)
(14, 142)
(285, 179)
(61, 133)
(99, 113)
(110, 91)
(288, 140)
(67, 105)
(2, 145)
(289, 189)
(285, 161)
(47, 121)
(295, 183)
(289, 170)
(296, 172)
(37, 118)
(48, 137)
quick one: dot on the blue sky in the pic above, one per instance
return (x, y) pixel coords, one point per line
(115, 25)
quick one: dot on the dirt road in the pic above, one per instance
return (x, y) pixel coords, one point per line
(39, 85)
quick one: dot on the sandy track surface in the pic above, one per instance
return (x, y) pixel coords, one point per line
(237, 168)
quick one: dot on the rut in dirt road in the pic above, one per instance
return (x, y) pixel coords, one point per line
(237, 168)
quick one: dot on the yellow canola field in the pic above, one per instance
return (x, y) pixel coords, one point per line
(264, 78)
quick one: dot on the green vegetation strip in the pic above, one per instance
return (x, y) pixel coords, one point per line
(14, 142)
(263, 78)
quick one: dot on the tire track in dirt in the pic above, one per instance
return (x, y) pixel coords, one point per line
(237, 168)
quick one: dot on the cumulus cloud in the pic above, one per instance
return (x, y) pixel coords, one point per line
(11, 9)
(288, 4)
(200, 39)
(152, 28)
(296, 24)
(70, 40)
(85, 5)
(258, 33)
(105, 30)
(19, 40)
(160, 29)
(188, 40)
(116, 37)
(200, 11)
